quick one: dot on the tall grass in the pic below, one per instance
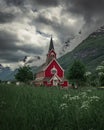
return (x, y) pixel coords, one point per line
(30, 108)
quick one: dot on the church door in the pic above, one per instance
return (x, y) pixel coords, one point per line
(55, 81)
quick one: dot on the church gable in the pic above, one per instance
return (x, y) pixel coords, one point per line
(50, 66)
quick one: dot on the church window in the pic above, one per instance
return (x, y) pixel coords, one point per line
(53, 70)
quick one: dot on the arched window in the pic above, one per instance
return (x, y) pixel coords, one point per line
(52, 54)
(53, 70)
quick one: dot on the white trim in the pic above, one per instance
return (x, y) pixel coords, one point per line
(56, 76)
(55, 80)
(52, 50)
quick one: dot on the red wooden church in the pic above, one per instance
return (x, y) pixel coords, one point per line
(51, 73)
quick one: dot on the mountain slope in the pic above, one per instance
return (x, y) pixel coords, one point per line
(6, 74)
(90, 52)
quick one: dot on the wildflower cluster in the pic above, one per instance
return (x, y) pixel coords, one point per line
(88, 73)
(99, 68)
(94, 98)
(101, 73)
(82, 100)
(63, 106)
(87, 100)
(85, 105)
(69, 97)
(2, 103)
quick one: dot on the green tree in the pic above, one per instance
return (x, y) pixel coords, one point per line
(77, 71)
(24, 74)
(100, 71)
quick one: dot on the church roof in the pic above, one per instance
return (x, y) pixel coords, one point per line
(51, 45)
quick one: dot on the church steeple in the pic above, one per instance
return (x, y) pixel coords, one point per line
(51, 52)
(51, 46)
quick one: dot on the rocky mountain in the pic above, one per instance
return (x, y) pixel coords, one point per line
(90, 51)
(98, 32)
(7, 74)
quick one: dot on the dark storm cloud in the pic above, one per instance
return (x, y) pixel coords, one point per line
(9, 51)
(45, 2)
(15, 2)
(7, 41)
(43, 20)
(89, 9)
(9, 56)
(33, 2)
(6, 17)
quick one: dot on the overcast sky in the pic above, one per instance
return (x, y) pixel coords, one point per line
(27, 25)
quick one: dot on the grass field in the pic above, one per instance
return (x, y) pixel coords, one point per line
(30, 108)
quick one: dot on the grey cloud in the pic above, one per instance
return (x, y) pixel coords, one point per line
(31, 49)
(7, 41)
(32, 2)
(45, 2)
(87, 9)
(43, 20)
(9, 49)
(14, 2)
(9, 56)
(6, 17)
(61, 30)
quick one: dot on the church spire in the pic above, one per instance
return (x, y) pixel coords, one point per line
(51, 52)
(51, 47)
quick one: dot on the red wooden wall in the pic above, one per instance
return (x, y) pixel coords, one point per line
(48, 72)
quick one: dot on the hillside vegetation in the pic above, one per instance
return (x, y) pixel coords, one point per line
(90, 52)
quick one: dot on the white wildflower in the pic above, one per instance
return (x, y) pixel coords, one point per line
(91, 129)
(99, 68)
(102, 63)
(83, 95)
(63, 106)
(85, 105)
(74, 98)
(101, 73)
(89, 90)
(2, 103)
(66, 96)
(94, 98)
(17, 83)
(88, 73)
(8, 82)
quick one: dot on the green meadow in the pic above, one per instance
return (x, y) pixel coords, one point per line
(40, 108)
